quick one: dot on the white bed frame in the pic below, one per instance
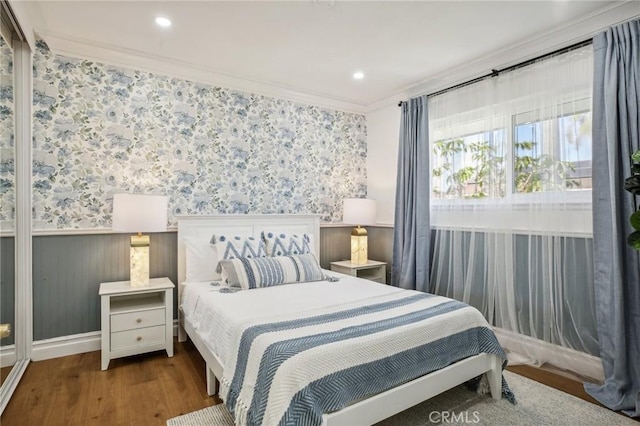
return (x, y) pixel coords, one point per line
(367, 411)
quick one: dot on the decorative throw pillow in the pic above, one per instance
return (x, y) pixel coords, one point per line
(249, 273)
(232, 247)
(282, 244)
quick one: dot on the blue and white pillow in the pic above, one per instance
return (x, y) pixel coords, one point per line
(233, 247)
(249, 273)
(282, 244)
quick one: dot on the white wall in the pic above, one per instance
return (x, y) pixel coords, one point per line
(383, 127)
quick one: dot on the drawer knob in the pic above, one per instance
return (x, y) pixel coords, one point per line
(139, 338)
(139, 320)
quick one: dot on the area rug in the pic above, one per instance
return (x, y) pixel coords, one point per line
(537, 405)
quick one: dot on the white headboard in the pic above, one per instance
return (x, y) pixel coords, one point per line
(245, 225)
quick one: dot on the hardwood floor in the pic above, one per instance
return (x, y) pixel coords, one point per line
(142, 390)
(139, 390)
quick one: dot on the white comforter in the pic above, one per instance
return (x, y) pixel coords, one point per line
(292, 352)
(215, 315)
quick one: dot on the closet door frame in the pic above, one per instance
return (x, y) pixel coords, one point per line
(23, 100)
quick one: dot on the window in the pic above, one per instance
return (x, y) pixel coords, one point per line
(512, 153)
(552, 154)
(513, 137)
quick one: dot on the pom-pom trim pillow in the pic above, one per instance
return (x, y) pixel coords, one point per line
(281, 244)
(231, 247)
(249, 273)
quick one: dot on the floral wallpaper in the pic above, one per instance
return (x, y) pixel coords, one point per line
(7, 153)
(100, 130)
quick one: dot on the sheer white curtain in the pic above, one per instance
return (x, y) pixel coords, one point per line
(511, 204)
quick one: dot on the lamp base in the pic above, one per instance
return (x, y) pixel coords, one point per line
(139, 261)
(359, 246)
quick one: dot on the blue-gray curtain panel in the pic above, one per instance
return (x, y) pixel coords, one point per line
(616, 117)
(411, 235)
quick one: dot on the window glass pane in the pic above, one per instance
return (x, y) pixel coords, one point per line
(532, 164)
(471, 166)
(552, 154)
(574, 133)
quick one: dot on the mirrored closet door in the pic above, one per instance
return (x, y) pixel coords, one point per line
(15, 201)
(7, 201)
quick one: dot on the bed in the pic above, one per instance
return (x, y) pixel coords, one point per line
(219, 321)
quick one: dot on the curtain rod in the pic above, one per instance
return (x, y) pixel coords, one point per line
(496, 72)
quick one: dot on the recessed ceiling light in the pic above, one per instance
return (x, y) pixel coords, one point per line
(163, 22)
(358, 75)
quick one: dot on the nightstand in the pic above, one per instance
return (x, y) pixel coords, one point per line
(136, 320)
(372, 270)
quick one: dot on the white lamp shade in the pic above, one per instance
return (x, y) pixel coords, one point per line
(359, 211)
(139, 213)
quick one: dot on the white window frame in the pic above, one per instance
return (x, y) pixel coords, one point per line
(565, 213)
(569, 196)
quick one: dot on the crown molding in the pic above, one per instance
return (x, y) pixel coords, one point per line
(132, 59)
(571, 32)
(26, 25)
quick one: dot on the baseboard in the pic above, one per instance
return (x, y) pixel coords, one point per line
(7, 355)
(541, 352)
(65, 346)
(71, 345)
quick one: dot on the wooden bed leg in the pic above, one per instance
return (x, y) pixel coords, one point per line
(182, 334)
(495, 378)
(212, 383)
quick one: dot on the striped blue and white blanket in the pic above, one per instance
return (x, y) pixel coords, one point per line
(291, 371)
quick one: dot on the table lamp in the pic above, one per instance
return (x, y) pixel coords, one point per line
(359, 211)
(139, 213)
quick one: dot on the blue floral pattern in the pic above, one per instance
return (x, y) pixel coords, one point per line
(100, 130)
(7, 144)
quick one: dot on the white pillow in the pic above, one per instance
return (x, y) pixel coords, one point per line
(201, 260)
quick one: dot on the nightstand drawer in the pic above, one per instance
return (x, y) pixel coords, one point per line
(141, 319)
(139, 337)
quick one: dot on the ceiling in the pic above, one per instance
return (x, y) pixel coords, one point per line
(312, 47)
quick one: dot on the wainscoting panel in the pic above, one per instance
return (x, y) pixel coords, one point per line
(68, 270)
(335, 244)
(7, 285)
(381, 246)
